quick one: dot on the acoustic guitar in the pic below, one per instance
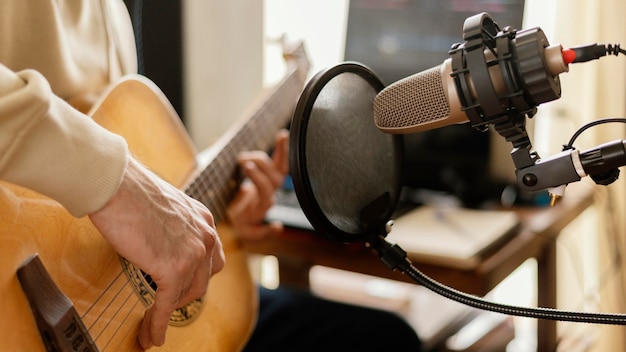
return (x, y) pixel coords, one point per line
(63, 288)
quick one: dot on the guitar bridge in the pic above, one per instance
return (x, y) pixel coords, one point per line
(59, 325)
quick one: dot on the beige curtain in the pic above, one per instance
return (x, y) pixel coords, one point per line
(591, 263)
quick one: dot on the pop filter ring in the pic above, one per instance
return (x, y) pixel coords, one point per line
(298, 161)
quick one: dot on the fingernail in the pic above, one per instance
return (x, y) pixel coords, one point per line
(144, 344)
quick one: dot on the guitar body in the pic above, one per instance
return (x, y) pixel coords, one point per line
(90, 273)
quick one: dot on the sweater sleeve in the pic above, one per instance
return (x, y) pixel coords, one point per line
(49, 147)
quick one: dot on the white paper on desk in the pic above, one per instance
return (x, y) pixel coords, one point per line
(451, 236)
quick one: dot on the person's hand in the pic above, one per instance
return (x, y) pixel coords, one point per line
(168, 235)
(257, 194)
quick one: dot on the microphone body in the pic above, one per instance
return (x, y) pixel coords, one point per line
(423, 101)
(485, 81)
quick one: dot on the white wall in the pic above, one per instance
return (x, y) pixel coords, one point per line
(223, 63)
(231, 52)
(321, 24)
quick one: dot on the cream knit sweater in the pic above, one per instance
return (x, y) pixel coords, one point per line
(51, 51)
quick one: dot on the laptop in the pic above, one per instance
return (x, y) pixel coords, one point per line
(287, 209)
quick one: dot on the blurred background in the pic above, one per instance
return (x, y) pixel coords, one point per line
(212, 58)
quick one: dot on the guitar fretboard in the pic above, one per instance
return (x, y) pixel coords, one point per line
(217, 184)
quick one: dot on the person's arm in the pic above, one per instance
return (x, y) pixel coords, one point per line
(168, 235)
(247, 211)
(47, 146)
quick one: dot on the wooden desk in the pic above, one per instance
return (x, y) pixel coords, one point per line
(298, 250)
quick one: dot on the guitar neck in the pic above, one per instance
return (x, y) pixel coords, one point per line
(218, 182)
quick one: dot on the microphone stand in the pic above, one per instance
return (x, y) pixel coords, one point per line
(600, 163)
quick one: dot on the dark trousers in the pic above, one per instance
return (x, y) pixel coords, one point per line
(295, 320)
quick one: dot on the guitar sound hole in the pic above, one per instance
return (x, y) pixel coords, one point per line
(146, 288)
(149, 280)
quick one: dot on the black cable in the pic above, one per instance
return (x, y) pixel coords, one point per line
(395, 258)
(570, 144)
(595, 51)
(614, 49)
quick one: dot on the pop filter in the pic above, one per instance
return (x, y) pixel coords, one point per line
(346, 172)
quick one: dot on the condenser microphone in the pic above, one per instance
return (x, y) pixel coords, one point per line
(493, 74)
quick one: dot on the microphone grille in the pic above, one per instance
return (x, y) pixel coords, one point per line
(412, 101)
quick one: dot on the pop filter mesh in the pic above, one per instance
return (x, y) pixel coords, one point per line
(352, 167)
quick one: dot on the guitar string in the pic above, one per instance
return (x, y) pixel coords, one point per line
(220, 177)
(226, 165)
(119, 328)
(217, 174)
(101, 296)
(218, 199)
(108, 306)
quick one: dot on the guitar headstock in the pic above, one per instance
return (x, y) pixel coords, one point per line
(296, 57)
